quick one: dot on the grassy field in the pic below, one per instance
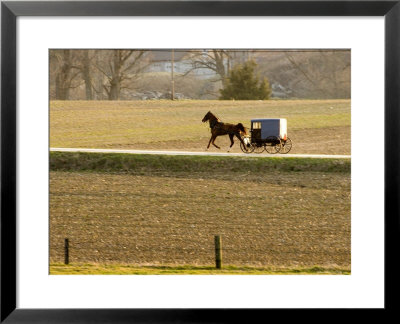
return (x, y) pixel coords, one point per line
(275, 215)
(314, 126)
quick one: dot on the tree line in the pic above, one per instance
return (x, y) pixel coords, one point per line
(102, 74)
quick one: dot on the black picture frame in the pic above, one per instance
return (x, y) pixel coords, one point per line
(10, 10)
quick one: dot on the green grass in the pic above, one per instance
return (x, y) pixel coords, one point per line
(112, 269)
(144, 163)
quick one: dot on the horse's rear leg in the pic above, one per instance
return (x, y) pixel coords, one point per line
(232, 142)
(241, 141)
(209, 142)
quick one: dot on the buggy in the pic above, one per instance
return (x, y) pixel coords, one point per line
(269, 134)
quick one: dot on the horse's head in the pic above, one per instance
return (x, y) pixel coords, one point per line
(246, 140)
(209, 116)
(243, 130)
(245, 134)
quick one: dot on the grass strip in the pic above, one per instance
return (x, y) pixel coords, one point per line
(145, 163)
(113, 269)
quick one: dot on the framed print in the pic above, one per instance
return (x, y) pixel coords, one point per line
(78, 212)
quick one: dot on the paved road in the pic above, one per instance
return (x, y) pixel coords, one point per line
(205, 153)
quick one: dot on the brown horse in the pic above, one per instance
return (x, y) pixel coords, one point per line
(219, 128)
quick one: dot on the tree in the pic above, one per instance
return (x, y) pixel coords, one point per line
(86, 74)
(66, 72)
(244, 84)
(70, 70)
(325, 73)
(120, 67)
(215, 60)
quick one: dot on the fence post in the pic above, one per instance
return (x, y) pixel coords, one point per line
(66, 251)
(218, 251)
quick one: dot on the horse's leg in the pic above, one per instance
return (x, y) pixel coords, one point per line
(241, 141)
(232, 142)
(214, 143)
(208, 146)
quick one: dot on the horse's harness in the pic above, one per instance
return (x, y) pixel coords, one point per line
(216, 124)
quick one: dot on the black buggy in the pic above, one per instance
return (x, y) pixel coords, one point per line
(269, 134)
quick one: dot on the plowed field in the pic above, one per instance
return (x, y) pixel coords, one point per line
(150, 215)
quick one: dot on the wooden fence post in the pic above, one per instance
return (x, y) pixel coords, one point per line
(218, 251)
(66, 251)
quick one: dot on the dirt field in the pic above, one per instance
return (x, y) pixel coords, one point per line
(314, 126)
(266, 217)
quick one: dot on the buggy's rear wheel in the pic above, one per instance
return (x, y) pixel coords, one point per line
(286, 146)
(273, 145)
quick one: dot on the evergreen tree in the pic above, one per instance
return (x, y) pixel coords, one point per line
(244, 84)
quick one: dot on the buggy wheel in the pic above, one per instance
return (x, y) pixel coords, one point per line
(244, 149)
(273, 148)
(273, 145)
(286, 146)
(258, 148)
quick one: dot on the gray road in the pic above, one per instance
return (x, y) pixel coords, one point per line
(204, 153)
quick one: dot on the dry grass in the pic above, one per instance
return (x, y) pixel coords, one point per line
(315, 126)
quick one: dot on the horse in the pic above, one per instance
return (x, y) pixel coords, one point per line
(218, 128)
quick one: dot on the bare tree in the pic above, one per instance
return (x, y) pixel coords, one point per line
(120, 68)
(215, 60)
(86, 69)
(327, 72)
(65, 72)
